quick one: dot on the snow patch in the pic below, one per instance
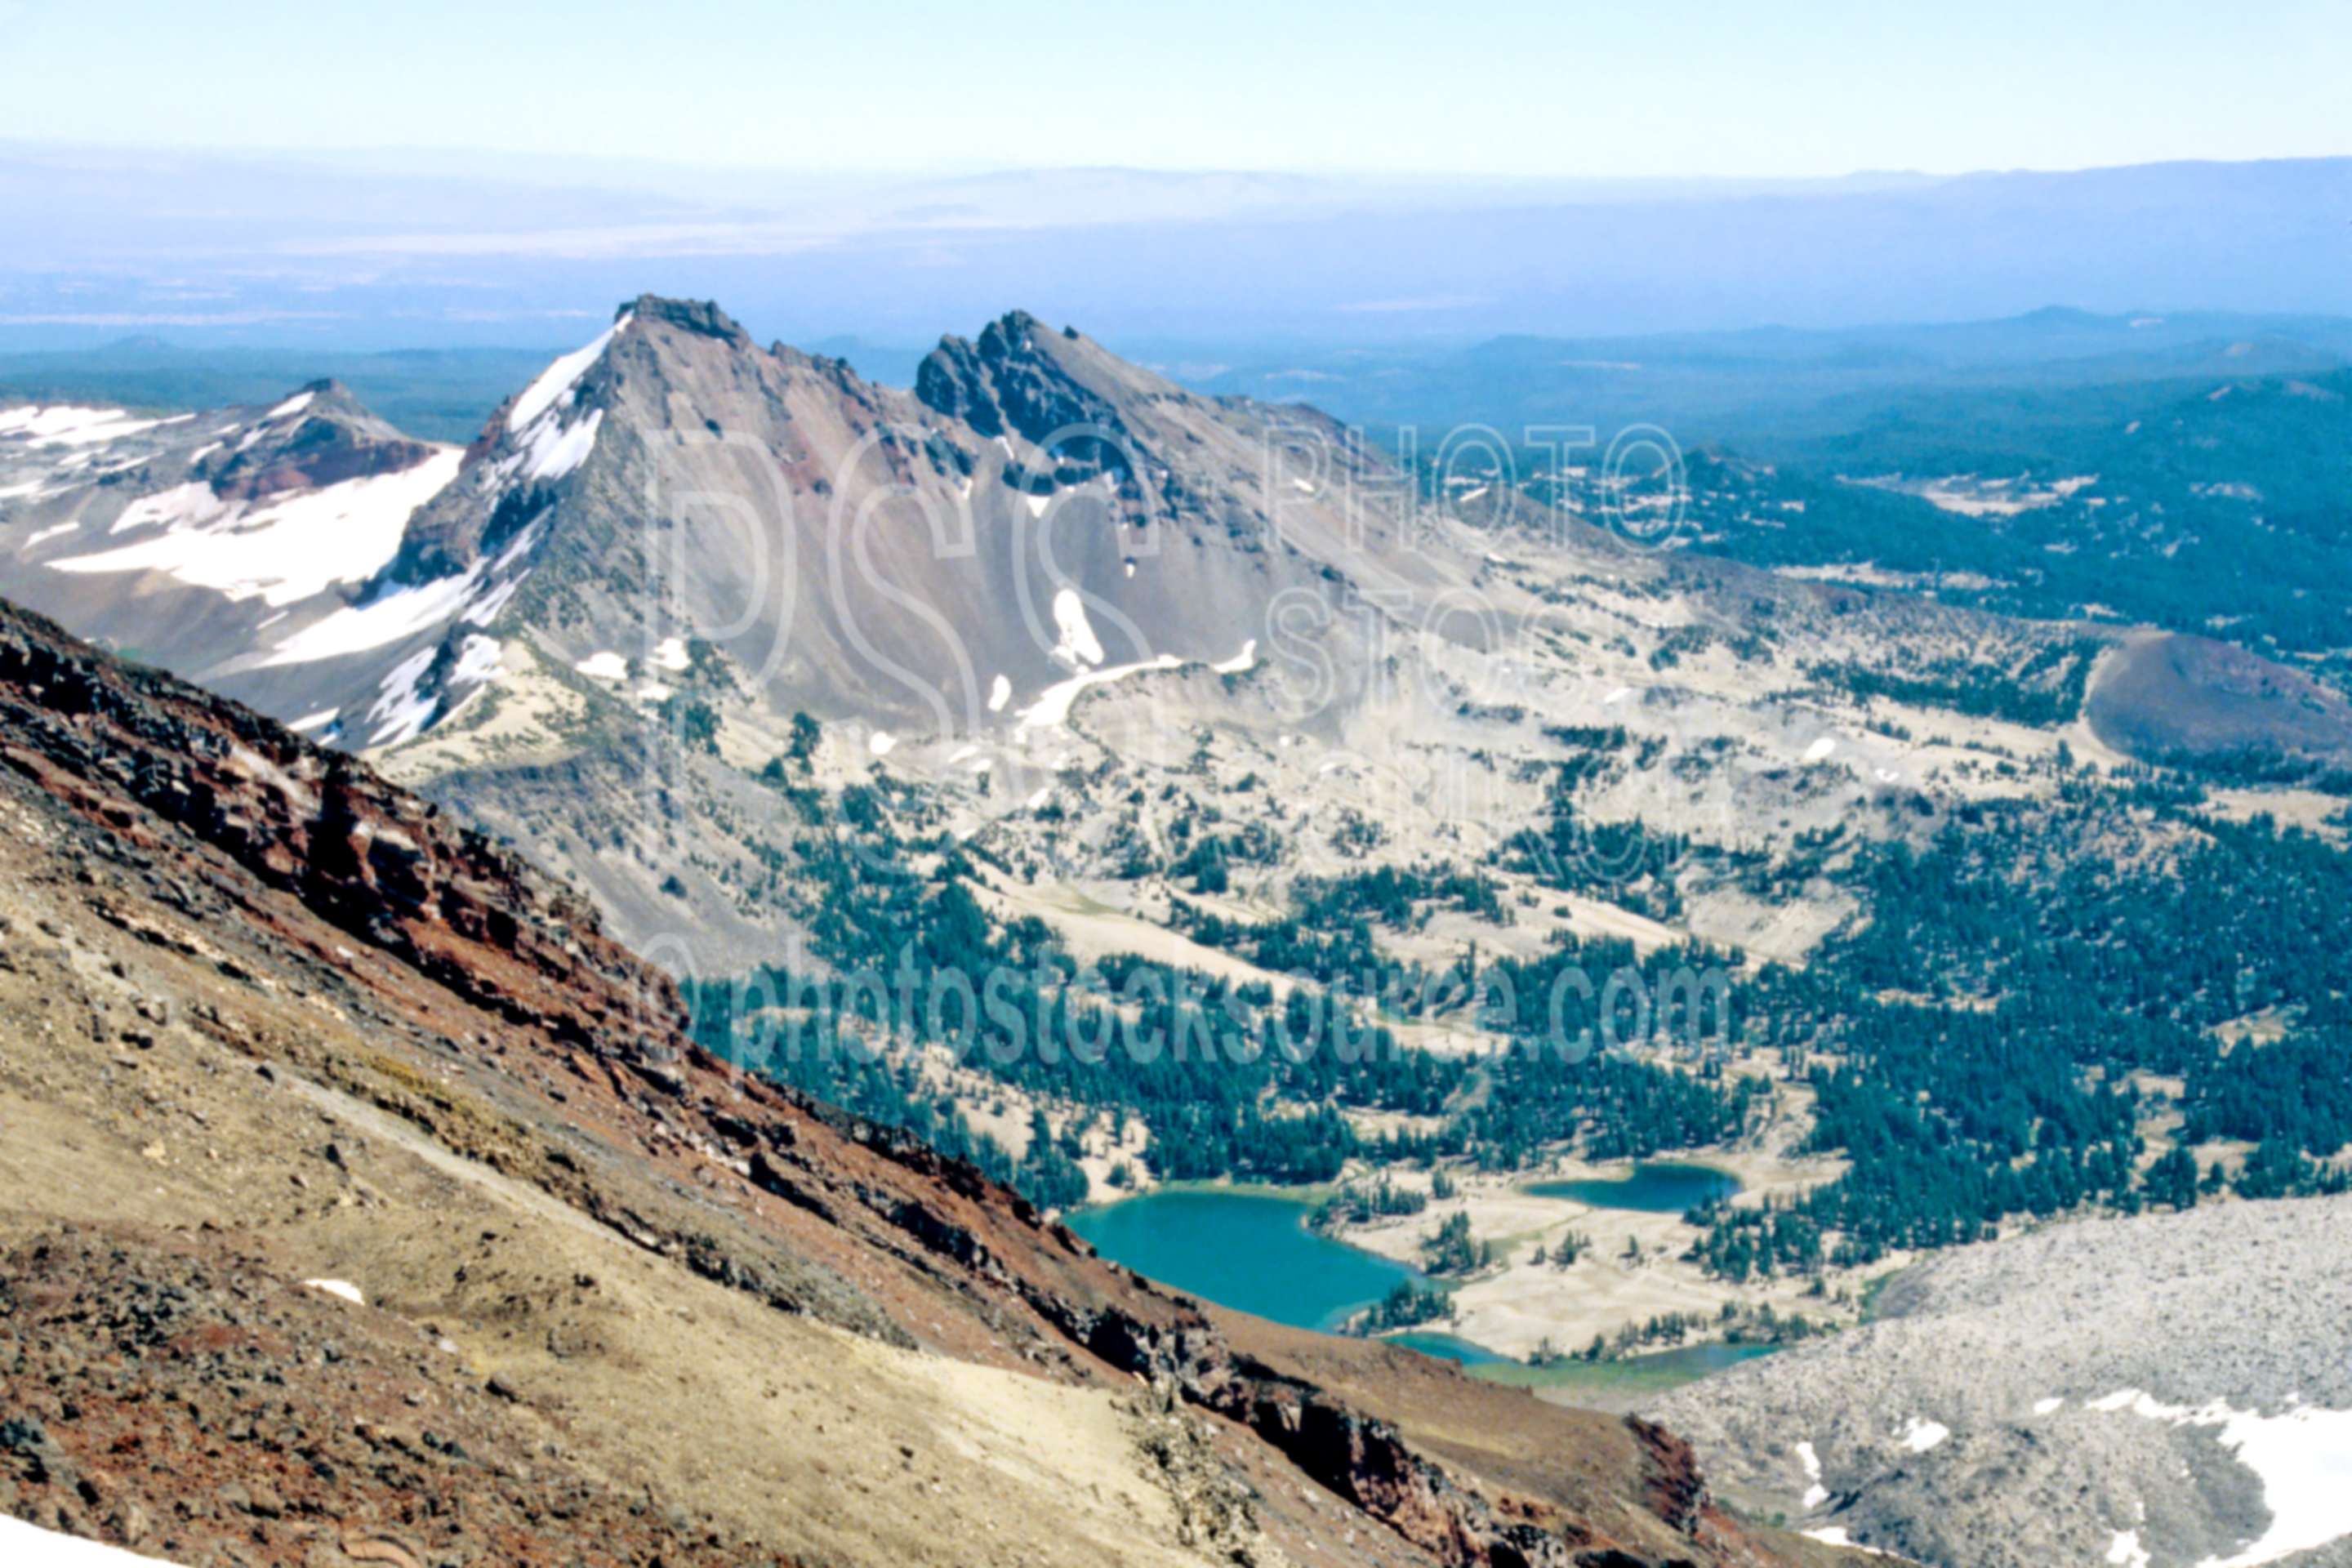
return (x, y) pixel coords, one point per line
(72, 425)
(556, 448)
(24, 1545)
(291, 406)
(343, 1288)
(189, 505)
(880, 742)
(670, 654)
(1821, 748)
(310, 721)
(604, 667)
(1920, 1435)
(1835, 1535)
(403, 711)
(1000, 692)
(283, 552)
(2126, 1551)
(485, 609)
(407, 611)
(45, 534)
(1816, 1494)
(558, 379)
(1077, 645)
(477, 660)
(2303, 1458)
(1242, 662)
(2044, 1406)
(1052, 709)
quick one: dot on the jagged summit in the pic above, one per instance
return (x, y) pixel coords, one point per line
(1021, 377)
(702, 317)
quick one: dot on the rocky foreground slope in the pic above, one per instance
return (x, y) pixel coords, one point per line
(2165, 1391)
(362, 1201)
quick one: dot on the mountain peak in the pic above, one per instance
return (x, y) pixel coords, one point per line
(701, 316)
(1022, 377)
(319, 435)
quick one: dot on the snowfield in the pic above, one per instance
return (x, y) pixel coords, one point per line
(405, 612)
(70, 425)
(2304, 1457)
(283, 552)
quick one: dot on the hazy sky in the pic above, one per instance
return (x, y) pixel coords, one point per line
(1668, 87)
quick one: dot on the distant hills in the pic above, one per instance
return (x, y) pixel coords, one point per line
(374, 253)
(1776, 388)
(1764, 388)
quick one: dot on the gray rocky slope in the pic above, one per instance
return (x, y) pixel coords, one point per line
(2170, 1386)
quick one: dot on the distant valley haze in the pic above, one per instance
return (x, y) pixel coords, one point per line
(1193, 184)
(347, 251)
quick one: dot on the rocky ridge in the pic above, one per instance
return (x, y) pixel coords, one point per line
(1993, 1414)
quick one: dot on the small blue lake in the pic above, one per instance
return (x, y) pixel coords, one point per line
(1252, 1252)
(1244, 1250)
(1653, 1187)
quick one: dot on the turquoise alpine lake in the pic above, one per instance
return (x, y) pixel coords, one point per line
(1652, 1188)
(1246, 1250)
(1251, 1251)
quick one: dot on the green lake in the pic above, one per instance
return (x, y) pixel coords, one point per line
(1623, 1385)
(1653, 1187)
(1447, 1347)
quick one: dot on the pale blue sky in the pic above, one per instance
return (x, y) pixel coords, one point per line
(1667, 87)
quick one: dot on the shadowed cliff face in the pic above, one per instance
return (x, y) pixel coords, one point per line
(464, 1009)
